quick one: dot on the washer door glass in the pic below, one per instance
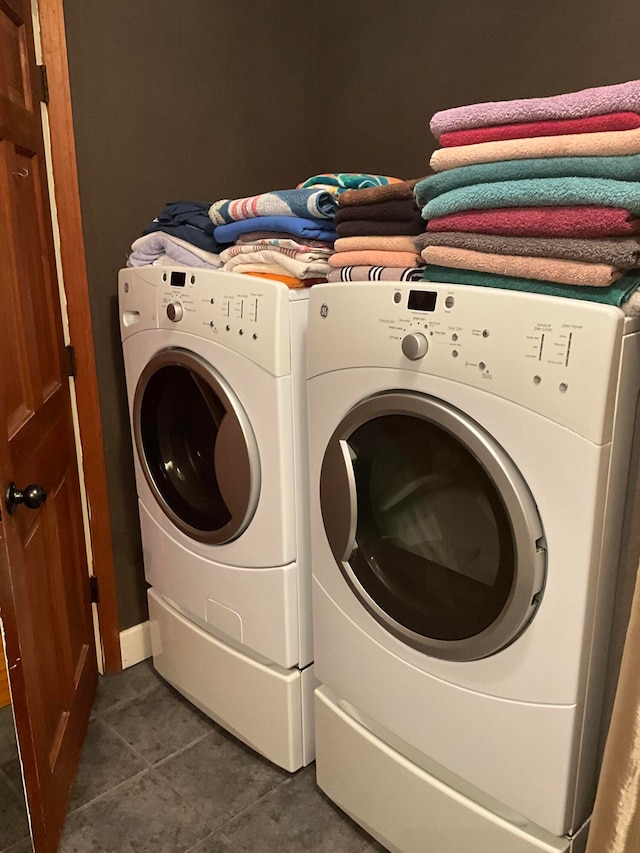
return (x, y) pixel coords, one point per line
(196, 447)
(432, 526)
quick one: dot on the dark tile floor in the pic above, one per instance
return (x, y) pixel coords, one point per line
(157, 776)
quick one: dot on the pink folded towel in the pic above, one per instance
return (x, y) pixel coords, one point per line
(605, 144)
(380, 243)
(561, 127)
(621, 97)
(375, 259)
(545, 269)
(586, 221)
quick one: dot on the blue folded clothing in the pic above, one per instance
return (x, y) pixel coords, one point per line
(537, 192)
(317, 229)
(188, 220)
(623, 168)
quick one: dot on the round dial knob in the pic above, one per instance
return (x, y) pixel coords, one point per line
(174, 311)
(415, 346)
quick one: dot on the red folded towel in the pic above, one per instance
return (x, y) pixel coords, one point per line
(559, 127)
(582, 221)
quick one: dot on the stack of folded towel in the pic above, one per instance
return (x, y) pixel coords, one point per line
(284, 234)
(376, 227)
(181, 235)
(288, 234)
(540, 194)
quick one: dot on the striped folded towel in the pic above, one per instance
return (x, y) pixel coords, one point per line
(307, 203)
(369, 273)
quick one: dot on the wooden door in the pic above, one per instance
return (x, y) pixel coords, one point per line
(44, 584)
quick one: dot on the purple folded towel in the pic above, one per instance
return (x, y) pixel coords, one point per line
(587, 102)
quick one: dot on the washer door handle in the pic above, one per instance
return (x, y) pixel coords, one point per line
(339, 500)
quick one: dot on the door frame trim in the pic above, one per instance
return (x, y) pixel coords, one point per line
(73, 263)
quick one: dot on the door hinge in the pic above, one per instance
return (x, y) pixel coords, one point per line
(93, 587)
(72, 367)
(44, 84)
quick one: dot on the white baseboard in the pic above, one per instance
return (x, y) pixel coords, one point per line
(135, 644)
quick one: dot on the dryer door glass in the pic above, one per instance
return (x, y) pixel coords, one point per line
(439, 536)
(196, 447)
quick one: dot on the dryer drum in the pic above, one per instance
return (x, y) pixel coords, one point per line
(196, 447)
(432, 526)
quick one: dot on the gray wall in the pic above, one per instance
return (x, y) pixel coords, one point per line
(209, 99)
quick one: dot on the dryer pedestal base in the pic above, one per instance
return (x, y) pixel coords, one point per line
(403, 806)
(266, 706)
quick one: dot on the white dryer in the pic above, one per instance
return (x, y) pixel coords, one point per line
(469, 458)
(214, 367)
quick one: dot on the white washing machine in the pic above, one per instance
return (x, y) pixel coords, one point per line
(214, 367)
(469, 461)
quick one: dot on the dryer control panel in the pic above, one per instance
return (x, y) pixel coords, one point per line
(240, 312)
(556, 356)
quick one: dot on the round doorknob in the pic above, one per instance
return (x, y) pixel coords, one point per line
(32, 496)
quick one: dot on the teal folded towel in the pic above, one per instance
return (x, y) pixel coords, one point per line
(625, 168)
(537, 192)
(616, 294)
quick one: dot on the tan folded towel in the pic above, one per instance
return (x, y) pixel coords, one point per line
(545, 269)
(382, 243)
(606, 144)
(375, 259)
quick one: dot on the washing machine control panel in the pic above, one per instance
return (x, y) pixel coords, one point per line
(556, 356)
(240, 312)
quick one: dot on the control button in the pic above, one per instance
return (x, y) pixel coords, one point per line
(449, 302)
(415, 346)
(537, 379)
(563, 387)
(254, 336)
(241, 331)
(485, 333)
(454, 337)
(397, 296)
(228, 328)
(455, 353)
(482, 365)
(174, 312)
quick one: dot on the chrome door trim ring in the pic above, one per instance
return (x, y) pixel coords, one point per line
(527, 531)
(241, 440)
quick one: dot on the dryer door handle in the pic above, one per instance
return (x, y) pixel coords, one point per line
(339, 500)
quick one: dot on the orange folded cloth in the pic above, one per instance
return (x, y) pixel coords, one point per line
(545, 269)
(290, 281)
